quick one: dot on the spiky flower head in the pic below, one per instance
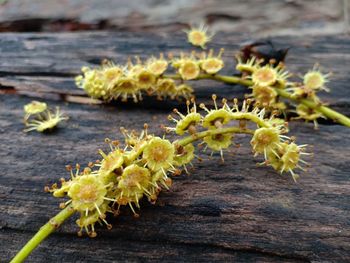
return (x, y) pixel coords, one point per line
(218, 142)
(188, 122)
(199, 36)
(308, 114)
(111, 161)
(217, 117)
(87, 192)
(35, 107)
(93, 83)
(159, 154)
(165, 87)
(264, 76)
(211, 64)
(249, 66)
(111, 72)
(145, 79)
(315, 79)
(47, 121)
(87, 221)
(126, 87)
(184, 154)
(264, 139)
(133, 183)
(157, 66)
(264, 96)
(286, 157)
(183, 90)
(189, 69)
(110, 164)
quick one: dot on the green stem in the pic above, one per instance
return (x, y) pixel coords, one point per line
(200, 135)
(326, 111)
(43, 233)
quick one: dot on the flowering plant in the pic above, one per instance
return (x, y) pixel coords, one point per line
(146, 163)
(269, 82)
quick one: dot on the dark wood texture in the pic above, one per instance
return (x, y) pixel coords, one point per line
(263, 17)
(234, 211)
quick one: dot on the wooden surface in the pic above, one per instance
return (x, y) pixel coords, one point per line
(234, 211)
(261, 18)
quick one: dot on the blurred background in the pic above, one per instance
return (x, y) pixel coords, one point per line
(256, 17)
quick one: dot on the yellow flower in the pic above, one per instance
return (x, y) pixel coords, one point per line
(134, 70)
(189, 69)
(265, 139)
(286, 157)
(126, 87)
(87, 220)
(249, 66)
(93, 83)
(159, 154)
(184, 154)
(308, 114)
(111, 72)
(186, 123)
(87, 193)
(35, 107)
(165, 87)
(110, 163)
(183, 90)
(157, 66)
(145, 79)
(315, 79)
(218, 142)
(264, 76)
(264, 96)
(199, 36)
(48, 122)
(216, 118)
(134, 182)
(211, 64)
(190, 120)
(270, 76)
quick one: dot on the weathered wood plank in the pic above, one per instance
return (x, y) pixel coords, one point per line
(263, 17)
(225, 212)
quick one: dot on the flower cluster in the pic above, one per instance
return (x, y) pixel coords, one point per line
(121, 177)
(143, 166)
(111, 81)
(190, 66)
(313, 81)
(41, 118)
(269, 78)
(265, 79)
(268, 139)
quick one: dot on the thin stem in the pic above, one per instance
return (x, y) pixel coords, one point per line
(326, 111)
(222, 78)
(43, 233)
(200, 135)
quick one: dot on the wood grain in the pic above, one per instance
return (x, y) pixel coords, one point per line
(261, 18)
(234, 211)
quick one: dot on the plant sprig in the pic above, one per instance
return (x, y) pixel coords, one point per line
(144, 164)
(39, 117)
(269, 83)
